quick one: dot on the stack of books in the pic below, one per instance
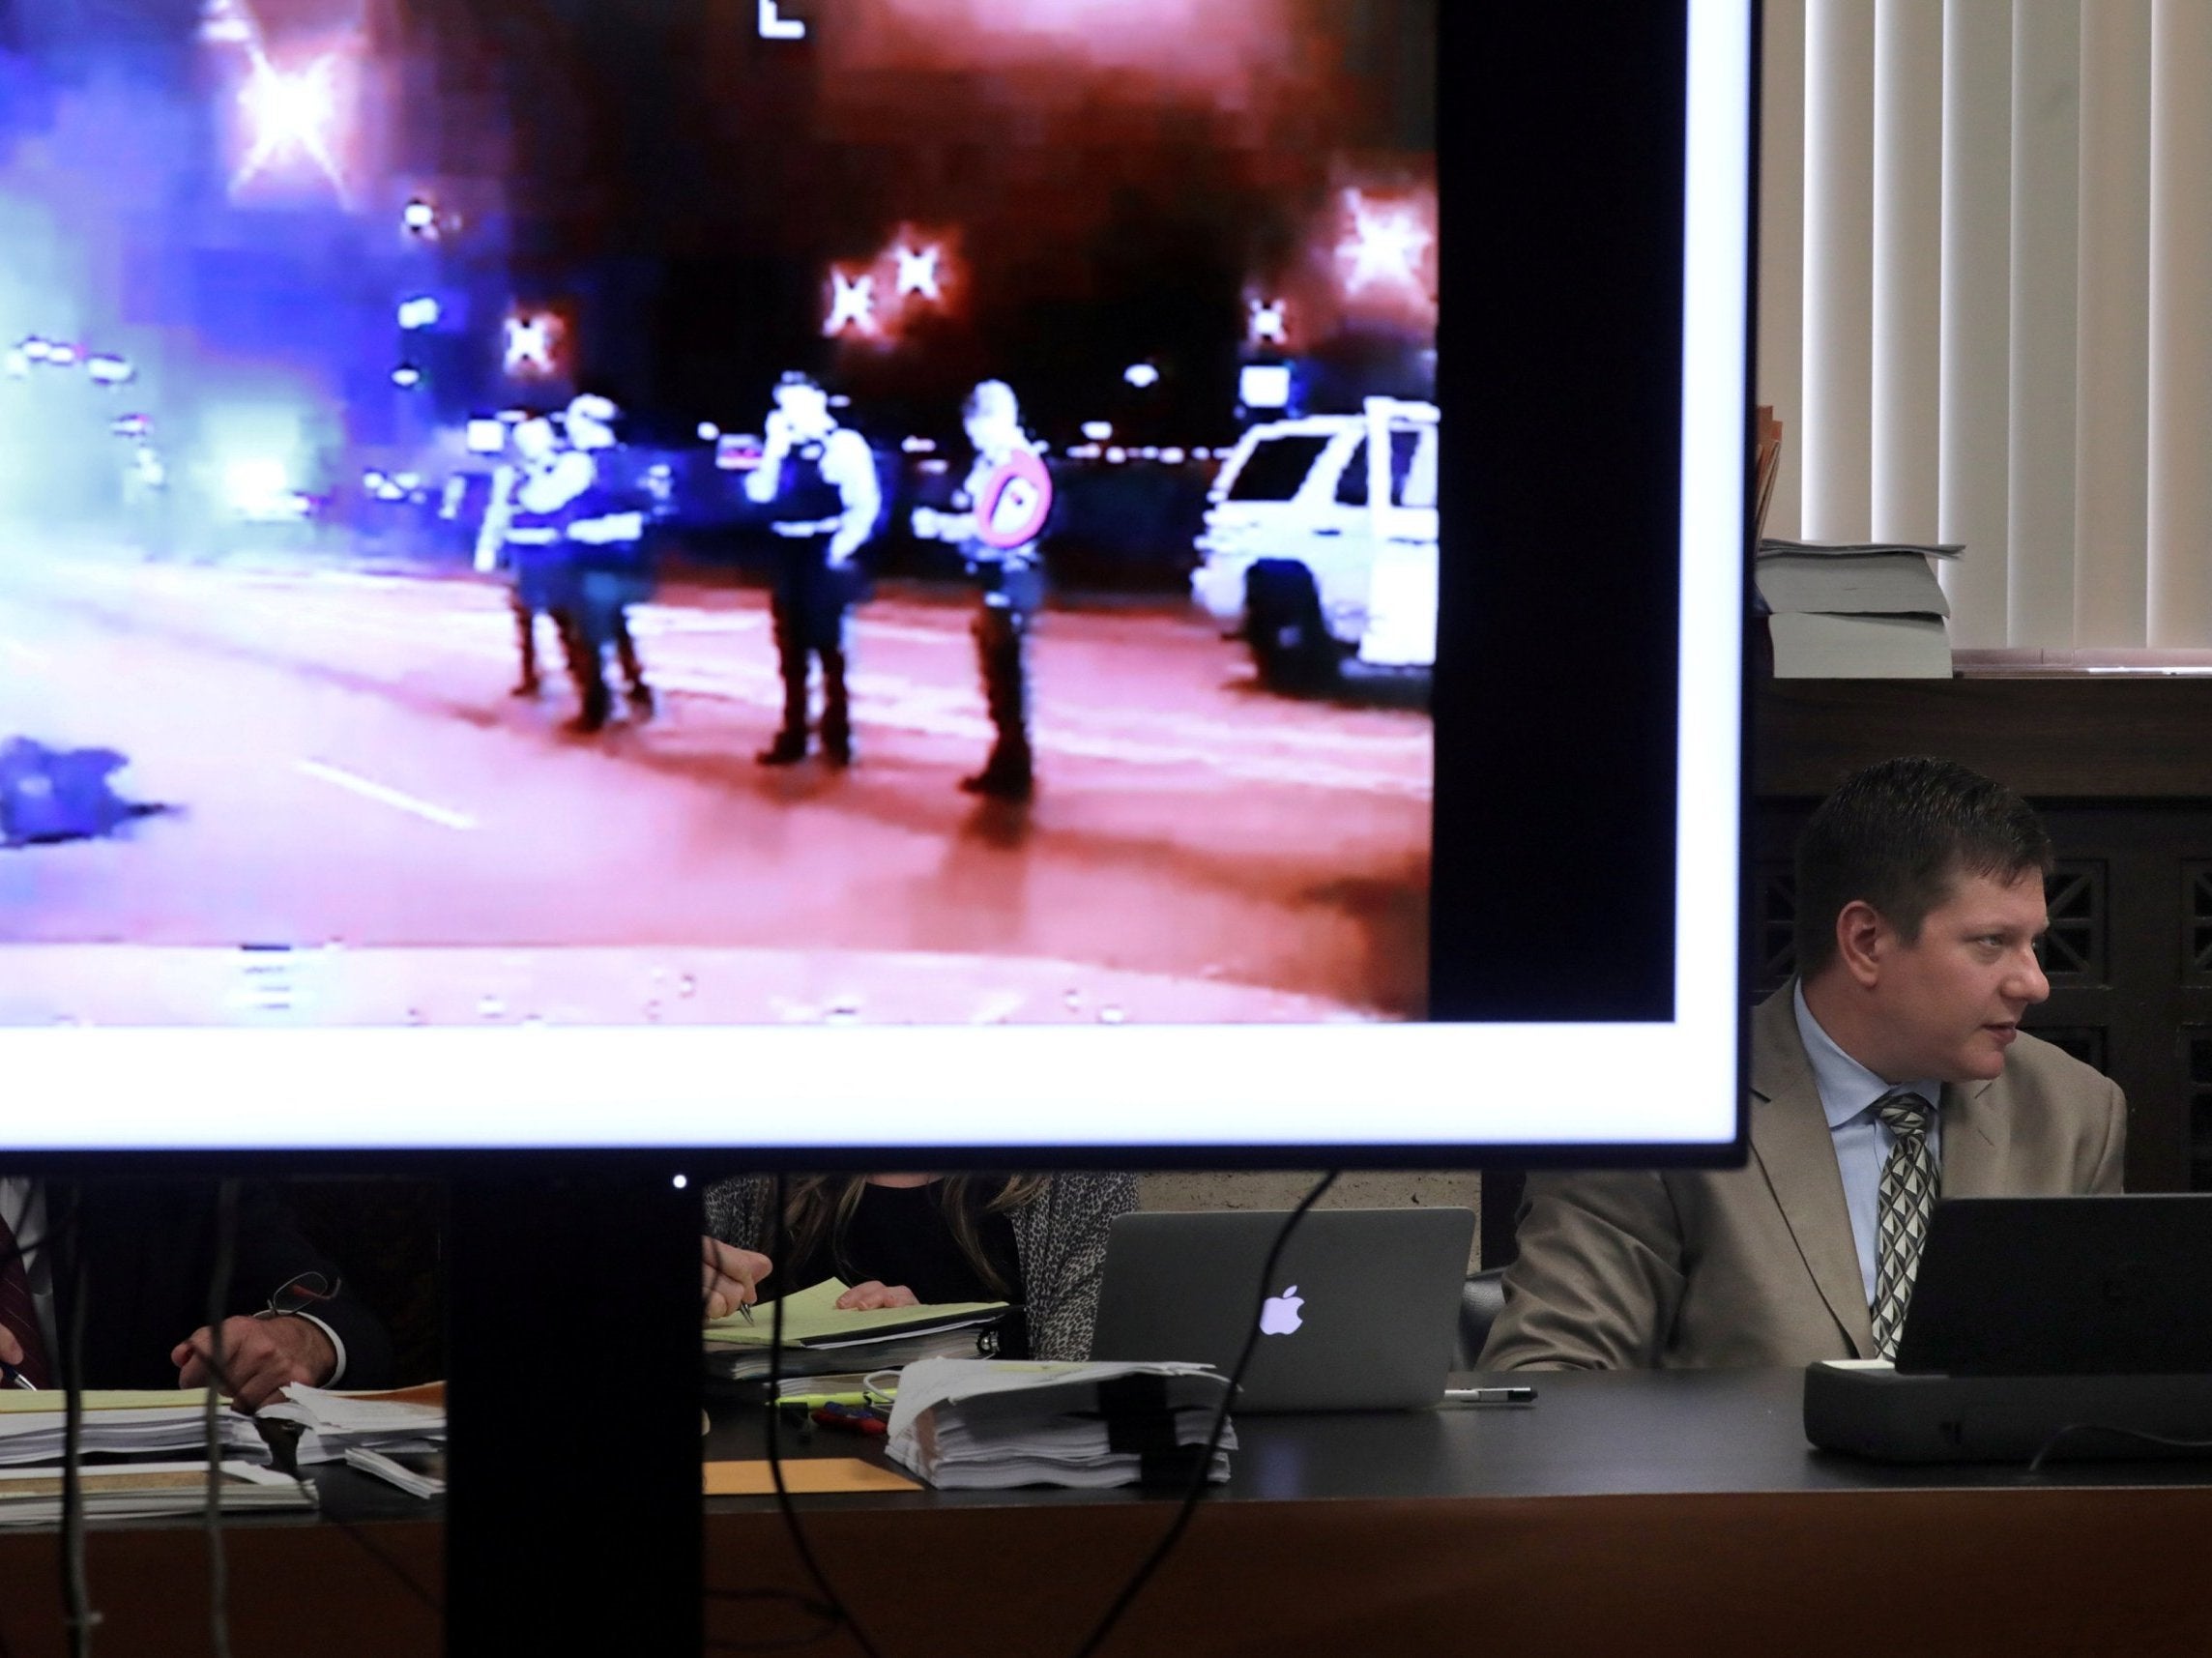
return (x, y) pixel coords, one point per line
(146, 1491)
(1855, 610)
(988, 1424)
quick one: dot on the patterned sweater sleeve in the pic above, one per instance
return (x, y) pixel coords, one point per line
(1060, 1238)
(736, 1210)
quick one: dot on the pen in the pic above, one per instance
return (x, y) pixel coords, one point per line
(1492, 1395)
(848, 1418)
(17, 1378)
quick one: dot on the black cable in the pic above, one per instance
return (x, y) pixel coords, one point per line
(1201, 1475)
(830, 1618)
(2035, 1463)
(350, 1528)
(45, 1240)
(827, 1616)
(77, 1614)
(221, 1382)
(830, 1599)
(218, 1302)
(68, 1272)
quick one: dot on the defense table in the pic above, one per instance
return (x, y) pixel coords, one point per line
(1667, 1512)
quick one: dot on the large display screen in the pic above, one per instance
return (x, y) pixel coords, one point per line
(781, 573)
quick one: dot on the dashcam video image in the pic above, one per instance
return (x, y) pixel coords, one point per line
(717, 511)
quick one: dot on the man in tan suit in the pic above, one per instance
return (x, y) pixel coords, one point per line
(1896, 1056)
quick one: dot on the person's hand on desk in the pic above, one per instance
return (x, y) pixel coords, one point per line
(866, 1297)
(729, 1277)
(259, 1356)
(11, 1350)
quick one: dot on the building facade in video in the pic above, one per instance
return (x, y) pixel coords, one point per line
(717, 511)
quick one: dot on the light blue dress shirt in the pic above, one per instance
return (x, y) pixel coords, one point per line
(1862, 1142)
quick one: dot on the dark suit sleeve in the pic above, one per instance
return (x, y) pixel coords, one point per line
(272, 1253)
(1599, 1279)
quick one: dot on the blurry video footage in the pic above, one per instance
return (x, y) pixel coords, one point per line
(615, 511)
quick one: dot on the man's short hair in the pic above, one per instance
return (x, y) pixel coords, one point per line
(1899, 837)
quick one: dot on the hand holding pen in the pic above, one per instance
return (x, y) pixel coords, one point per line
(11, 1358)
(729, 1279)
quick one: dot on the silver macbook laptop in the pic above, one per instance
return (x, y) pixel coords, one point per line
(1362, 1311)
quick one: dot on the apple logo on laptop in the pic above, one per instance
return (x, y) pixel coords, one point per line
(1279, 1314)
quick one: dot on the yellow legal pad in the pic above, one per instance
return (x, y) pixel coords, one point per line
(813, 1317)
(809, 1476)
(26, 1401)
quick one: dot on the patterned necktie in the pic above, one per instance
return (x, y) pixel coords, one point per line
(19, 1313)
(1902, 1208)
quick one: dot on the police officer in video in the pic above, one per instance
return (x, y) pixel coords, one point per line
(606, 535)
(1000, 519)
(525, 528)
(818, 478)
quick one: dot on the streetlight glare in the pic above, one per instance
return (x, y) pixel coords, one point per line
(290, 115)
(1386, 245)
(852, 305)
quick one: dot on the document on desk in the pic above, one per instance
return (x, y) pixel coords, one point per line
(813, 1317)
(804, 1476)
(330, 1423)
(120, 1423)
(989, 1424)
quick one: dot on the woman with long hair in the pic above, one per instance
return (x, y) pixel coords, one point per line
(1035, 1240)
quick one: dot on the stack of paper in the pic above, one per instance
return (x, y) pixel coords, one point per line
(331, 1424)
(119, 1423)
(812, 1319)
(1855, 610)
(146, 1491)
(992, 1423)
(812, 1368)
(420, 1473)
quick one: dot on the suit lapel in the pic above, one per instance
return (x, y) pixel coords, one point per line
(1790, 1141)
(1976, 1131)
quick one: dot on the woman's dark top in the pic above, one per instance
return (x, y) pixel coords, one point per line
(898, 1235)
(1060, 1239)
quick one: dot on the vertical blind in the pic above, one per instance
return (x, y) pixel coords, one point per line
(1986, 301)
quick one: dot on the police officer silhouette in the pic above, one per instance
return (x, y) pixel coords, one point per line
(606, 536)
(818, 478)
(999, 520)
(525, 528)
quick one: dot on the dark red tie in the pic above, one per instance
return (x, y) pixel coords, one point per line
(19, 1313)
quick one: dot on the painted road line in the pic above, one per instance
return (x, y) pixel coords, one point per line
(392, 797)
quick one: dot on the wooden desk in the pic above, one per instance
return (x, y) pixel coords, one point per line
(1650, 1513)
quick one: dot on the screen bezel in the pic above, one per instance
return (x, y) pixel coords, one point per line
(1551, 128)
